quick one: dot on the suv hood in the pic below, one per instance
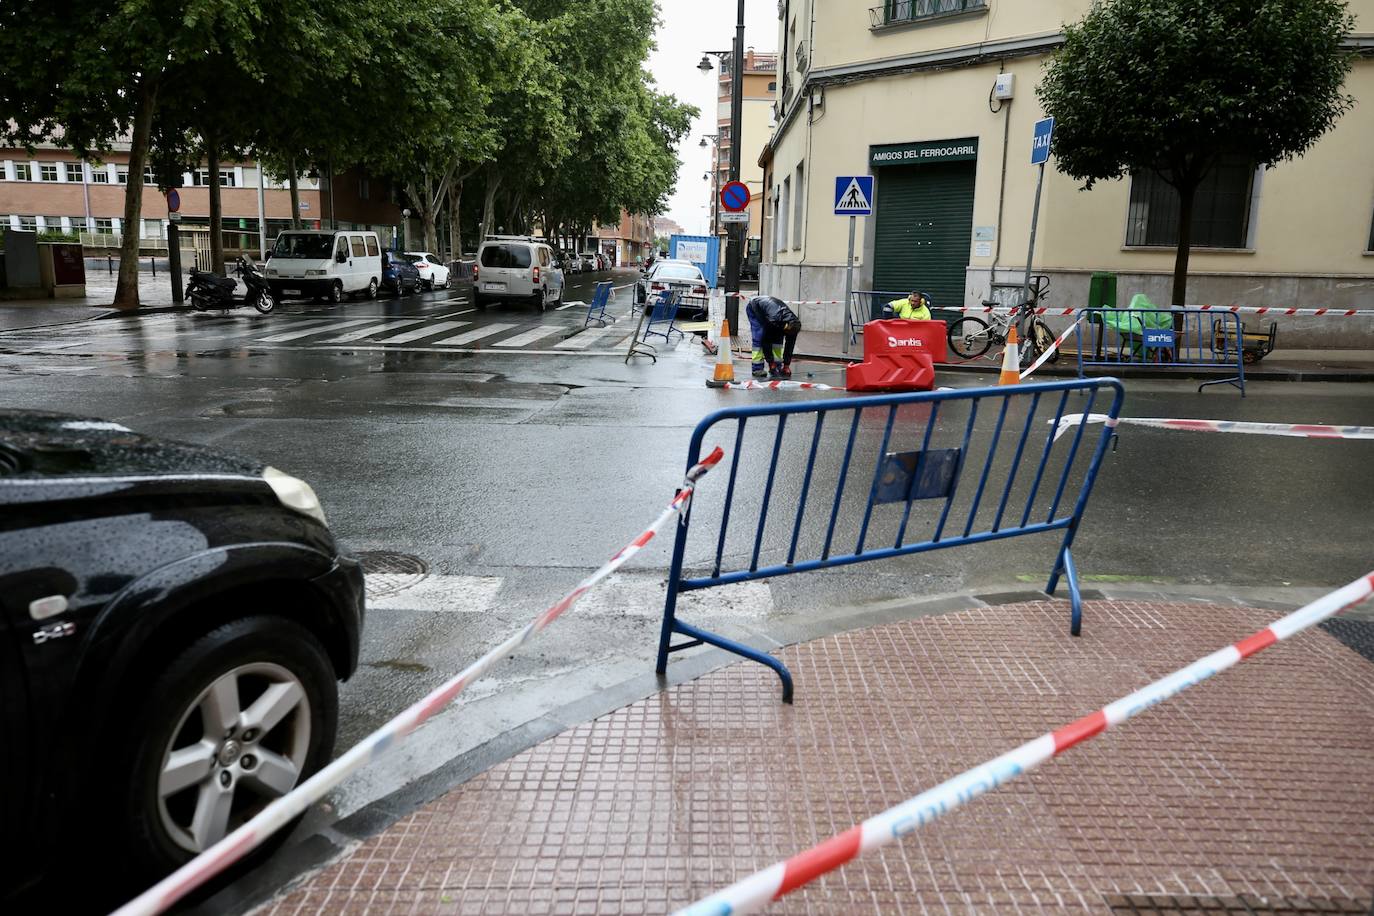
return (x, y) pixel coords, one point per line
(82, 456)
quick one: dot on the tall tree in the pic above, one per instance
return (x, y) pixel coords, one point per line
(1172, 86)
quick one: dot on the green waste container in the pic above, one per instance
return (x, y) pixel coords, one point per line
(1102, 290)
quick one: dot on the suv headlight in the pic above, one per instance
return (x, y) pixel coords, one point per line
(294, 493)
(316, 273)
(271, 271)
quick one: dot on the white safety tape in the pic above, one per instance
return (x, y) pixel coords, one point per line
(1294, 430)
(283, 810)
(1051, 351)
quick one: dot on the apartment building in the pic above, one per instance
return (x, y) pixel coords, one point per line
(760, 89)
(902, 90)
(51, 191)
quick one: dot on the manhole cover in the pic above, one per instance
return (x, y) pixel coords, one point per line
(388, 572)
(1244, 905)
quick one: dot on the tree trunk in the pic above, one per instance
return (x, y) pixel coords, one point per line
(126, 287)
(216, 209)
(455, 223)
(489, 204)
(1187, 190)
(293, 180)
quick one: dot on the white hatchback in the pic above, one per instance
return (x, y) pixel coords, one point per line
(433, 272)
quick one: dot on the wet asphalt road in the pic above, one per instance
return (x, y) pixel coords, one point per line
(512, 452)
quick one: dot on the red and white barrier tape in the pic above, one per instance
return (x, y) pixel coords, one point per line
(1051, 351)
(1070, 312)
(778, 385)
(1295, 430)
(754, 892)
(282, 810)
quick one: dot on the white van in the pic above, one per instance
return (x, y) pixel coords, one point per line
(516, 268)
(325, 264)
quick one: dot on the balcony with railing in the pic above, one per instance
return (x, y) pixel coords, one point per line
(895, 13)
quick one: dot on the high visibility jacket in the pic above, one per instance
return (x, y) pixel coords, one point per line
(903, 308)
(775, 313)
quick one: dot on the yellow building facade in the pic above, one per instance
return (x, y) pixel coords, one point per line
(904, 91)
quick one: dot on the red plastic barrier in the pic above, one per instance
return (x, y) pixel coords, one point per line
(899, 355)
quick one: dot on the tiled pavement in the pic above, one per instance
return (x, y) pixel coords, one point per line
(1253, 793)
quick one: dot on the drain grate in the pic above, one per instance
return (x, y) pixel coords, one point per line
(1244, 905)
(387, 571)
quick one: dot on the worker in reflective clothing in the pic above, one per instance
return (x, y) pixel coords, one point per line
(915, 307)
(774, 327)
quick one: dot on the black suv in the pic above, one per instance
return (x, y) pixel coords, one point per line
(173, 621)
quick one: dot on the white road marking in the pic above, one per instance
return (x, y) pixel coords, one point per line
(570, 305)
(330, 324)
(357, 348)
(529, 337)
(429, 330)
(369, 330)
(583, 340)
(478, 334)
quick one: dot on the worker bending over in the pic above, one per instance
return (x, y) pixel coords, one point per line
(774, 327)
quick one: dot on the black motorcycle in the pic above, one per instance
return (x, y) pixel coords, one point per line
(211, 291)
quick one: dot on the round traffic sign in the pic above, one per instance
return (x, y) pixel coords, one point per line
(734, 197)
(173, 201)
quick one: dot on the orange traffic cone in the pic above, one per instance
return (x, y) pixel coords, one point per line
(725, 358)
(1011, 361)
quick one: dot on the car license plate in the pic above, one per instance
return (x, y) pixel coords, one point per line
(493, 286)
(291, 292)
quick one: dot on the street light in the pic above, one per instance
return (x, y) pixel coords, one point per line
(734, 249)
(405, 218)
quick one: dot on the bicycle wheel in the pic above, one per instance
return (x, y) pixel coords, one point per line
(1044, 339)
(969, 337)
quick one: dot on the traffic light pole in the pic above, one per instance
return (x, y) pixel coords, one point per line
(734, 249)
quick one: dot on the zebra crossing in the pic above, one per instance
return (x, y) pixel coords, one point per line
(462, 331)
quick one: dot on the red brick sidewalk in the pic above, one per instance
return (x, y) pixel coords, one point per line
(1253, 790)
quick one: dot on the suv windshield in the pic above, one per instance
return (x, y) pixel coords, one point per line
(290, 245)
(506, 256)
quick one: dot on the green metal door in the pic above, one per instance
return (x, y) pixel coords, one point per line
(925, 229)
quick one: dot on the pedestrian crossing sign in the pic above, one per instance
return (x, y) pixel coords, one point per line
(853, 195)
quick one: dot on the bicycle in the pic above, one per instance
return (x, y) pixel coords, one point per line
(970, 337)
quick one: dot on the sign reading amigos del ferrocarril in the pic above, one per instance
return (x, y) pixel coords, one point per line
(919, 153)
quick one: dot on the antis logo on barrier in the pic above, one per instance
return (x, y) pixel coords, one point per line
(895, 342)
(1159, 338)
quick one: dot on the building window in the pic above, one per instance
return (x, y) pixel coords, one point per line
(74, 173)
(1370, 247)
(798, 209)
(772, 85)
(149, 179)
(104, 225)
(47, 171)
(152, 229)
(28, 224)
(78, 224)
(898, 12)
(122, 174)
(1221, 208)
(785, 209)
(200, 178)
(23, 172)
(99, 175)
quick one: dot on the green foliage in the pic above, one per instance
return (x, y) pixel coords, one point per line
(1171, 85)
(1159, 84)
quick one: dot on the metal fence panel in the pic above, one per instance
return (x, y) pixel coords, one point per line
(1181, 338)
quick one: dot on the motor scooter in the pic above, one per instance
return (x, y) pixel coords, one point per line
(210, 291)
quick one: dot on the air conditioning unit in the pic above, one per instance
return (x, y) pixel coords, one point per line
(803, 56)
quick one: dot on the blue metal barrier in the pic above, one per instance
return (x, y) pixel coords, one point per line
(596, 311)
(1180, 338)
(663, 315)
(909, 502)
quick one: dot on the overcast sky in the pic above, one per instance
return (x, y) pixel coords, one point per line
(689, 28)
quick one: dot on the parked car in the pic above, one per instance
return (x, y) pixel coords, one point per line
(325, 265)
(173, 624)
(588, 261)
(567, 262)
(516, 268)
(683, 276)
(399, 274)
(433, 272)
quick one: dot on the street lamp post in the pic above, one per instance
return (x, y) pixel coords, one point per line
(714, 176)
(734, 249)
